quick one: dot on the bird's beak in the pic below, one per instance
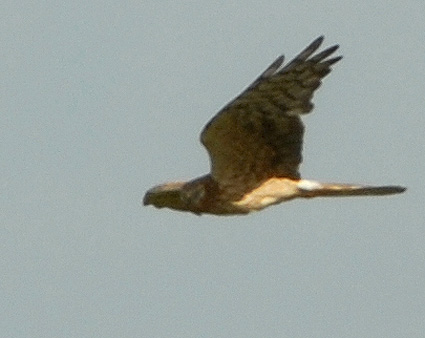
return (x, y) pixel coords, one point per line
(147, 198)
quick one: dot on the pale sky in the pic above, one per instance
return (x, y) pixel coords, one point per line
(101, 100)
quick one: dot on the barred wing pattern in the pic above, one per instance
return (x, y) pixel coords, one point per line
(259, 134)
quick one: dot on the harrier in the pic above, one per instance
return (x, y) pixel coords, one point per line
(255, 144)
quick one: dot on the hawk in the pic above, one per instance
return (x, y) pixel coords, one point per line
(255, 144)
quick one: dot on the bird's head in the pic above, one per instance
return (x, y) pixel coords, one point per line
(166, 195)
(184, 196)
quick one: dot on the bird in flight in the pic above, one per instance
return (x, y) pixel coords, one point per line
(255, 144)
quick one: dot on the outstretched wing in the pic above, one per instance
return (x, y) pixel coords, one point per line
(259, 134)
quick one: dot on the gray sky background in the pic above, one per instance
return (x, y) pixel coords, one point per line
(101, 100)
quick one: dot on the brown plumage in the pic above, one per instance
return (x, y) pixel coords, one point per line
(255, 145)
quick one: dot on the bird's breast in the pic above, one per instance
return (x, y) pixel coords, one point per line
(272, 191)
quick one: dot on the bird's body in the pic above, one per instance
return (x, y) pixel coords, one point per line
(255, 145)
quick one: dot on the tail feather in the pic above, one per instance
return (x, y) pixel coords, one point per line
(315, 189)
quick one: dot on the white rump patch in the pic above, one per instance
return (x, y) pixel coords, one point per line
(309, 185)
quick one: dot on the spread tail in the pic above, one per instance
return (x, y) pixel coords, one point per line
(315, 189)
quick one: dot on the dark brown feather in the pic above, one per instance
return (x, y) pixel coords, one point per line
(259, 134)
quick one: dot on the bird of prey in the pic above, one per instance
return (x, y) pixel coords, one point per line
(255, 144)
